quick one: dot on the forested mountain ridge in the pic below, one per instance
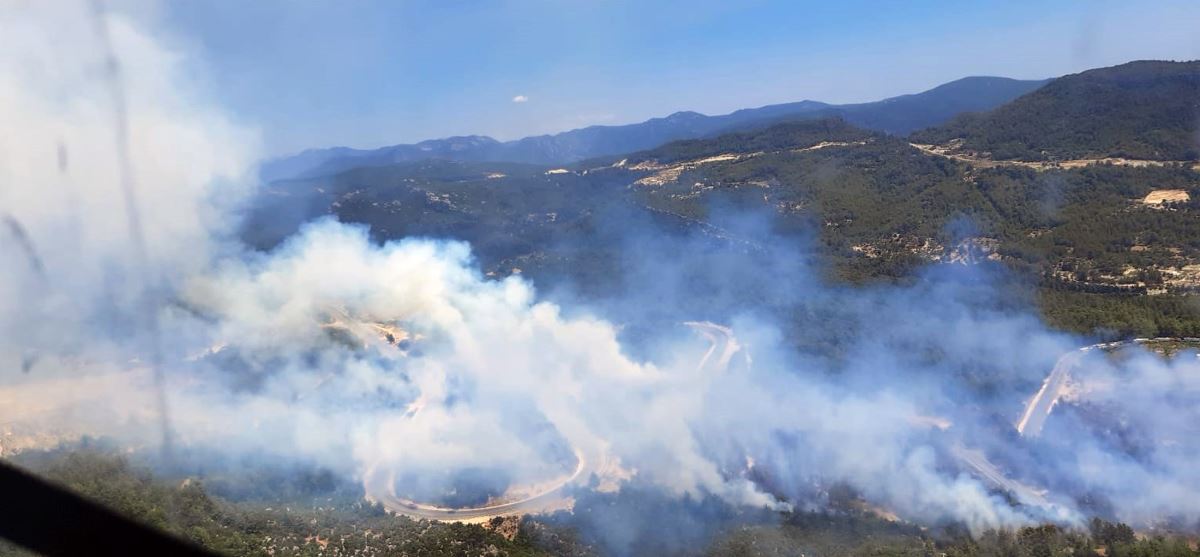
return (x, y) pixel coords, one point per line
(898, 115)
(1139, 110)
(1113, 246)
(907, 113)
(1105, 249)
(870, 206)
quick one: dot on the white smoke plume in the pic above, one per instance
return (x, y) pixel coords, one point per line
(404, 357)
(62, 187)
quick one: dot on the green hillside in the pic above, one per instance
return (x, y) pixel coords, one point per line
(1140, 110)
(1090, 238)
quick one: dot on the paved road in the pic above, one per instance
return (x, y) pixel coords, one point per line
(379, 481)
(379, 484)
(1039, 407)
(985, 470)
(1033, 419)
(723, 346)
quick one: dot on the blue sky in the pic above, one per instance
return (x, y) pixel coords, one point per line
(366, 73)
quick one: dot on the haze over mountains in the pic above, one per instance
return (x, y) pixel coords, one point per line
(896, 115)
(880, 204)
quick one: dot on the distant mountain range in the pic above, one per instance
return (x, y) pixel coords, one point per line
(897, 115)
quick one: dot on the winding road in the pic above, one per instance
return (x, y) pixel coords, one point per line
(380, 486)
(985, 470)
(1054, 387)
(1039, 407)
(379, 480)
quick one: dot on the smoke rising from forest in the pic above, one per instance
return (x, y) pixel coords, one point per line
(334, 350)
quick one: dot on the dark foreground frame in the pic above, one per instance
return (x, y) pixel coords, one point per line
(50, 520)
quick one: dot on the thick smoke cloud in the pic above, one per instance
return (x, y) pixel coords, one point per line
(68, 252)
(360, 357)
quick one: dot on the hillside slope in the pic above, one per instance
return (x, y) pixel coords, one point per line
(868, 206)
(907, 113)
(1139, 110)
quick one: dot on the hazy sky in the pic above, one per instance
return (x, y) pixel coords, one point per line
(370, 73)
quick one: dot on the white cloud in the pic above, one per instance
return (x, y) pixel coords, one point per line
(520, 99)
